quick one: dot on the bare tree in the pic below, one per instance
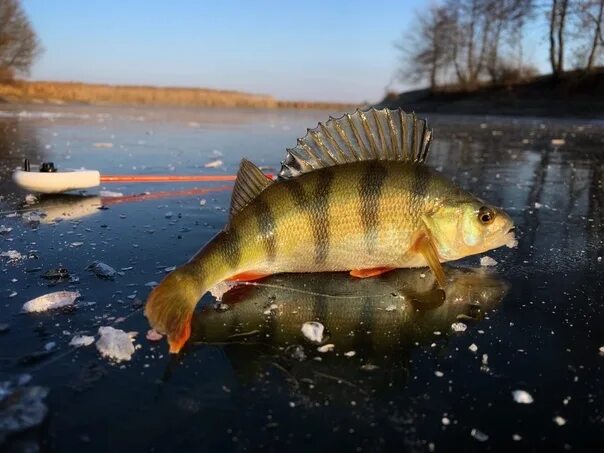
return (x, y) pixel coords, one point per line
(507, 18)
(19, 44)
(590, 15)
(425, 50)
(557, 26)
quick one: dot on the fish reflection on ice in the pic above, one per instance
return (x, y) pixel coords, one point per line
(389, 312)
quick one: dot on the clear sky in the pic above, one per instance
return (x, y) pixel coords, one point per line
(305, 50)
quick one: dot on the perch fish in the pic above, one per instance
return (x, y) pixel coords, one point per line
(354, 195)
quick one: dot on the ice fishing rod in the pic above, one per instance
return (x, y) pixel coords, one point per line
(50, 181)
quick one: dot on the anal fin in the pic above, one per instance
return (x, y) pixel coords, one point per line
(425, 245)
(366, 273)
(248, 276)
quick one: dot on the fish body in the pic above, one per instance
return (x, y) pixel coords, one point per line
(354, 195)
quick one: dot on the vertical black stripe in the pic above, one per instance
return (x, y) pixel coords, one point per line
(316, 206)
(320, 215)
(370, 191)
(266, 227)
(230, 249)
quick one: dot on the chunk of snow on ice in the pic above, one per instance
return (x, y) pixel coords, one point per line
(12, 255)
(110, 194)
(487, 261)
(439, 373)
(350, 353)
(522, 397)
(81, 340)
(313, 331)
(214, 164)
(479, 435)
(473, 347)
(459, 327)
(30, 199)
(538, 205)
(390, 308)
(51, 301)
(114, 344)
(219, 289)
(558, 141)
(326, 347)
(445, 421)
(153, 335)
(5, 230)
(560, 421)
(512, 243)
(601, 350)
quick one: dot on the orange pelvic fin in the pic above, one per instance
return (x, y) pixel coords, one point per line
(366, 273)
(425, 245)
(248, 276)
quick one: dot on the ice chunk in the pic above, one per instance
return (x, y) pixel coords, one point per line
(21, 407)
(153, 335)
(326, 347)
(522, 397)
(313, 331)
(558, 141)
(81, 340)
(31, 199)
(102, 270)
(479, 435)
(487, 261)
(214, 164)
(12, 255)
(110, 194)
(473, 347)
(115, 344)
(51, 301)
(219, 289)
(560, 421)
(459, 327)
(350, 353)
(512, 243)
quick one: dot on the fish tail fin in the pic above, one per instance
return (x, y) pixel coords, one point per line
(170, 305)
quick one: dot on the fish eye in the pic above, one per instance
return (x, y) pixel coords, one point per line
(486, 215)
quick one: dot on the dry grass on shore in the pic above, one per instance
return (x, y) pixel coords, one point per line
(82, 93)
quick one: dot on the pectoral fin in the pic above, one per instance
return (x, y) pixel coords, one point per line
(425, 246)
(365, 273)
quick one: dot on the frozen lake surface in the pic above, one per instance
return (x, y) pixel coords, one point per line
(511, 357)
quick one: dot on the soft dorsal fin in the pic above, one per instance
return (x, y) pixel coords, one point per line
(249, 183)
(364, 135)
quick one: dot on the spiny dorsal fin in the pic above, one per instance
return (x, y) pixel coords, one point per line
(364, 135)
(249, 183)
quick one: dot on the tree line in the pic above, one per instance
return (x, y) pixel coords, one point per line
(467, 43)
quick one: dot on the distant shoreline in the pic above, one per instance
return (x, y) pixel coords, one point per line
(69, 93)
(575, 94)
